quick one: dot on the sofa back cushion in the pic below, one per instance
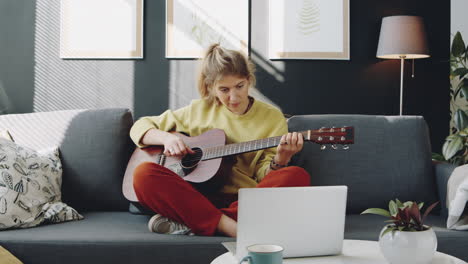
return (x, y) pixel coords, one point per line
(94, 148)
(390, 158)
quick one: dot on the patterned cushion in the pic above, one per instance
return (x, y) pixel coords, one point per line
(30, 185)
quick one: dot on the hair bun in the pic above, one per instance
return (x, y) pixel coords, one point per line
(212, 48)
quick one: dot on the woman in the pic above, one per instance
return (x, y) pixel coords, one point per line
(224, 82)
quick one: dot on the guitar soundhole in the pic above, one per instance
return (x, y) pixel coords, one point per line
(191, 160)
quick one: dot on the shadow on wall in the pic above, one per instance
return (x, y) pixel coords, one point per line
(74, 84)
(182, 85)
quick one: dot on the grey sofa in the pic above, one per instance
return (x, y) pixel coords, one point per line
(390, 159)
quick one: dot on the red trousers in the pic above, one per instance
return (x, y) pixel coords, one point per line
(164, 192)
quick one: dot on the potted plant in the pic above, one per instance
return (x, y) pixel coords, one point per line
(406, 239)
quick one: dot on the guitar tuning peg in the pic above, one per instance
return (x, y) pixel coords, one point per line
(323, 147)
(334, 146)
(345, 147)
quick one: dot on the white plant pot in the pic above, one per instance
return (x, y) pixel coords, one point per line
(404, 247)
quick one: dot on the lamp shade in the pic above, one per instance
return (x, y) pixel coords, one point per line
(402, 36)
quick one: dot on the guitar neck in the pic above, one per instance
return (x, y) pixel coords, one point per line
(322, 136)
(243, 147)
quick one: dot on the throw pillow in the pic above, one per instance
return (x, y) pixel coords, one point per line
(30, 187)
(457, 198)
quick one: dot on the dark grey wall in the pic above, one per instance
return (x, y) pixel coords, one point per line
(152, 74)
(17, 19)
(363, 85)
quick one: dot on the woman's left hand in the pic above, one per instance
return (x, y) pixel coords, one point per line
(290, 144)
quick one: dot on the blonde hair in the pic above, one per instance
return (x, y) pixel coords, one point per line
(219, 62)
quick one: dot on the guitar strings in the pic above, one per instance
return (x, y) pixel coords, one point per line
(199, 154)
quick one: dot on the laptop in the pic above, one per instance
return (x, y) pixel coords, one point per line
(305, 221)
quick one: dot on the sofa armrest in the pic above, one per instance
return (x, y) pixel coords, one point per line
(442, 172)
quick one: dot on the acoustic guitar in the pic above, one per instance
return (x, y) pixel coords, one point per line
(207, 166)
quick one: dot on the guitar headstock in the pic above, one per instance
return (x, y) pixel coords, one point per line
(331, 136)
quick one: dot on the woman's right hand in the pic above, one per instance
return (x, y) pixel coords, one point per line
(175, 146)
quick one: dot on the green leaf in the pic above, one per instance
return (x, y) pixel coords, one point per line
(437, 156)
(464, 92)
(451, 137)
(455, 90)
(420, 205)
(460, 72)
(377, 211)
(464, 132)
(399, 203)
(461, 119)
(389, 229)
(451, 148)
(408, 204)
(393, 208)
(466, 54)
(462, 89)
(458, 45)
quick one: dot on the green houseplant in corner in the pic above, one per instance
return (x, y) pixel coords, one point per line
(455, 149)
(406, 239)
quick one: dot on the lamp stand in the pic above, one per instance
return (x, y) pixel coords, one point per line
(402, 58)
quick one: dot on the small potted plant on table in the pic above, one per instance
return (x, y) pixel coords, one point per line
(406, 239)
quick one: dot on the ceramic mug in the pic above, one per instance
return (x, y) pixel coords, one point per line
(264, 254)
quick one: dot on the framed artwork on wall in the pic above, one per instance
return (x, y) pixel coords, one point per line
(309, 29)
(193, 25)
(101, 29)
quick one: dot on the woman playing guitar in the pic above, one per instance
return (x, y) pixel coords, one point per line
(224, 82)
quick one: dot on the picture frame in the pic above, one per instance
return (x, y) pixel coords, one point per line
(309, 29)
(101, 29)
(193, 25)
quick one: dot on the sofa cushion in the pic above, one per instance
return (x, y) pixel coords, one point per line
(108, 237)
(391, 158)
(94, 147)
(120, 237)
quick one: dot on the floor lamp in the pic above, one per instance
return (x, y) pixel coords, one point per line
(402, 37)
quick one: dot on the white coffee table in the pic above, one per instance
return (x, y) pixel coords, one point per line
(354, 252)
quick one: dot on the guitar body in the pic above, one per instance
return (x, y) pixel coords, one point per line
(204, 171)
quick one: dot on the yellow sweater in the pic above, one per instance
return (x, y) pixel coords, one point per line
(261, 121)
